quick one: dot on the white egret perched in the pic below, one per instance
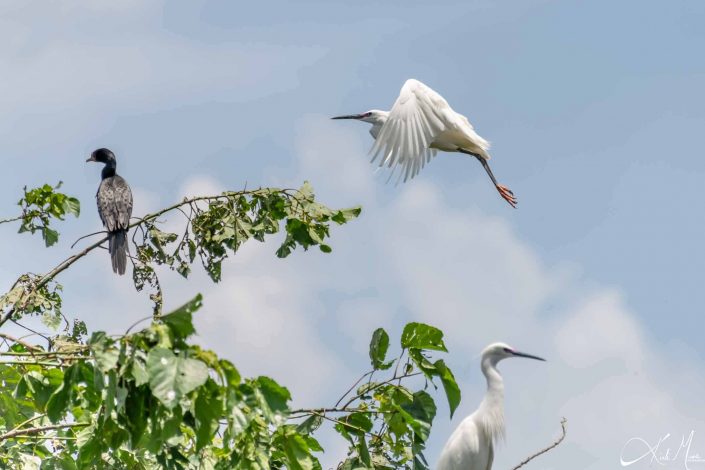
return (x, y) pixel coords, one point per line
(471, 446)
(420, 123)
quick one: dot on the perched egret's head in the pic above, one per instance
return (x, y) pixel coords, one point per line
(102, 156)
(373, 116)
(495, 352)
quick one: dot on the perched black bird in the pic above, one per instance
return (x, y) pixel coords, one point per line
(114, 207)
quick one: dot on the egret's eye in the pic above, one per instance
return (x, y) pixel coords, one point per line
(367, 114)
(507, 350)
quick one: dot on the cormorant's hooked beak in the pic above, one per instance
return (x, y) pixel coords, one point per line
(530, 356)
(91, 159)
(350, 116)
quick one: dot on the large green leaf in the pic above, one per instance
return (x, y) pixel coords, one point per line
(449, 385)
(208, 408)
(422, 336)
(378, 349)
(61, 398)
(274, 397)
(419, 414)
(298, 454)
(104, 350)
(180, 321)
(171, 377)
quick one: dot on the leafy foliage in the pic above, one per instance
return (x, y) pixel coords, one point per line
(40, 205)
(153, 399)
(217, 226)
(387, 423)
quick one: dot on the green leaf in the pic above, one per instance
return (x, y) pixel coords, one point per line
(419, 414)
(171, 377)
(72, 206)
(357, 423)
(50, 236)
(208, 408)
(180, 321)
(60, 399)
(275, 396)
(137, 410)
(346, 215)
(106, 354)
(229, 372)
(449, 385)
(378, 349)
(422, 336)
(311, 424)
(139, 372)
(297, 453)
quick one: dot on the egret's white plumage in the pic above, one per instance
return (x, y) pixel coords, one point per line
(420, 123)
(471, 445)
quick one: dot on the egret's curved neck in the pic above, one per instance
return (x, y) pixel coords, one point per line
(108, 170)
(377, 120)
(492, 406)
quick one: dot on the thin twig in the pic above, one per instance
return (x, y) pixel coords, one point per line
(86, 236)
(27, 421)
(34, 332)
(352, 387)
(543, 451)
(4, 221)
(39, 429)
(378, 385)
(137, 323)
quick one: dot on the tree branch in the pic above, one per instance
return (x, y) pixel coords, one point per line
(147, 218)
(39, 429)
(543, 451)
(12, 219)
(28, 346)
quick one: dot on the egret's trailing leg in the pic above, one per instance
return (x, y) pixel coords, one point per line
(504, 191)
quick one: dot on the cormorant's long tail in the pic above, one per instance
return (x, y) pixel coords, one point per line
(117, 246)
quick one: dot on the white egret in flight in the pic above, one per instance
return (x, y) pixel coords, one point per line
(471, 446)
(420, 123)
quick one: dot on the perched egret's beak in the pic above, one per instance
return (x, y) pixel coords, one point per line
(91, 158)
(530, 356)
(350, 116)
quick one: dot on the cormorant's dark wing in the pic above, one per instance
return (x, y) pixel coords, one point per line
(114, 203)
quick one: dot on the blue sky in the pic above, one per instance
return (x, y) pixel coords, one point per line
(595, 111)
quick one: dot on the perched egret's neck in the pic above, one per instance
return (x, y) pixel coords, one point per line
(108, 170)
(492, 406)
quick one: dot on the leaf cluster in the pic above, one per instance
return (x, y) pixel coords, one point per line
(387, 423)
(216, 227)
(154, 399)
(42, 204)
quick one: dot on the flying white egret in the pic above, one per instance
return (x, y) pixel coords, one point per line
(471, 446)
(420, 123)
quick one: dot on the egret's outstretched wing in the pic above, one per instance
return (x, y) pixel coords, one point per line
(418, 116)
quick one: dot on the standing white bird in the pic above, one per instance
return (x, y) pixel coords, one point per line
(420, 123)
(471, 446)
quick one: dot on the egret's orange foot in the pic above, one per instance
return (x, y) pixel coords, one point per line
(507, 195)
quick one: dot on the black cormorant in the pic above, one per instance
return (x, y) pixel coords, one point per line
(114, 207)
